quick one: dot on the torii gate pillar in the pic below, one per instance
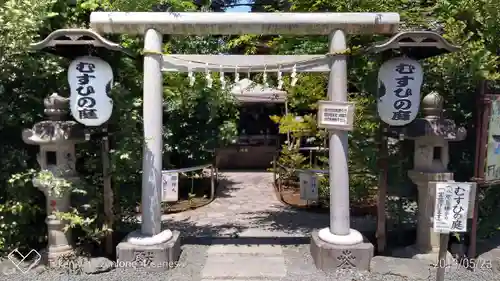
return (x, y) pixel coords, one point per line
(339, 246)
(152, 247)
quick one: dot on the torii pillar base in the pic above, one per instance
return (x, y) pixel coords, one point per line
(155, 257)
(332, 257)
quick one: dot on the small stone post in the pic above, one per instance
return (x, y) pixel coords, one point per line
(56, 138)
(431, 135)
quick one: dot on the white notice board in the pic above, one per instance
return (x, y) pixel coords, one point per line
(305, 184)
(335, 115)
(312, 192)
(308, 186)
(170, 186)
(451, 206)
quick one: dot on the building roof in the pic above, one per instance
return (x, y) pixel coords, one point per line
(246, 90)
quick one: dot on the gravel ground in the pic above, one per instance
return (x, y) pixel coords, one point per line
(298, 261)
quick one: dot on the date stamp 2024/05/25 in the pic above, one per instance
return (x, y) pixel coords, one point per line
(467, 263)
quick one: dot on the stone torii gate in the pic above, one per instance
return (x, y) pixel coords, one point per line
(333, 247)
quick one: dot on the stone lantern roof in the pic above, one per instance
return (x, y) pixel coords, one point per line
(56, 129)
(432, 124)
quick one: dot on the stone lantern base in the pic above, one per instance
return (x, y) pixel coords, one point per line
(59, 245)
(331, 257)
(427, 244)
(55, 256)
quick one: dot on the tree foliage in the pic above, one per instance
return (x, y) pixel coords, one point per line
(196, 119)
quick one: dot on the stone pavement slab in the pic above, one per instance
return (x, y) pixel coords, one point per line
(400, 266)
(266, 250)
(244, 261)
(234, 266)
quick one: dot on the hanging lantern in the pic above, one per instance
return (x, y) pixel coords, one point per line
(90, 80)
(399, 83)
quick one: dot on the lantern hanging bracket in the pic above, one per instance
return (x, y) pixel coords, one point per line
(414, 44)
(72, 43)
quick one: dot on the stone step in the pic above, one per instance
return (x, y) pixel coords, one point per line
(268, 250)
(242, 278)
(234, 266)
(230, 262)
(252, 279)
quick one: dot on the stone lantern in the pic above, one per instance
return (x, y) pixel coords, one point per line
(56, 138)
(431, 135)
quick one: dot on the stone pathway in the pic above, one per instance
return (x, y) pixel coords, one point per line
(246, 206)
(245, 228)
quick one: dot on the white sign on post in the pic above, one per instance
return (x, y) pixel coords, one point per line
(90, 80)
(451, 207)
(399, 83)
(336, 115)
(170, 186)
(312, 193)
(308, 186)
(305, 184)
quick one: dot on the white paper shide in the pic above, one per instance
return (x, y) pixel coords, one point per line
(399, 84)
(90, 80)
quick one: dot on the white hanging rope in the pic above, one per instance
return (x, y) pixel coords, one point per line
(282, 66)
(279, 64)
(296, 64)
